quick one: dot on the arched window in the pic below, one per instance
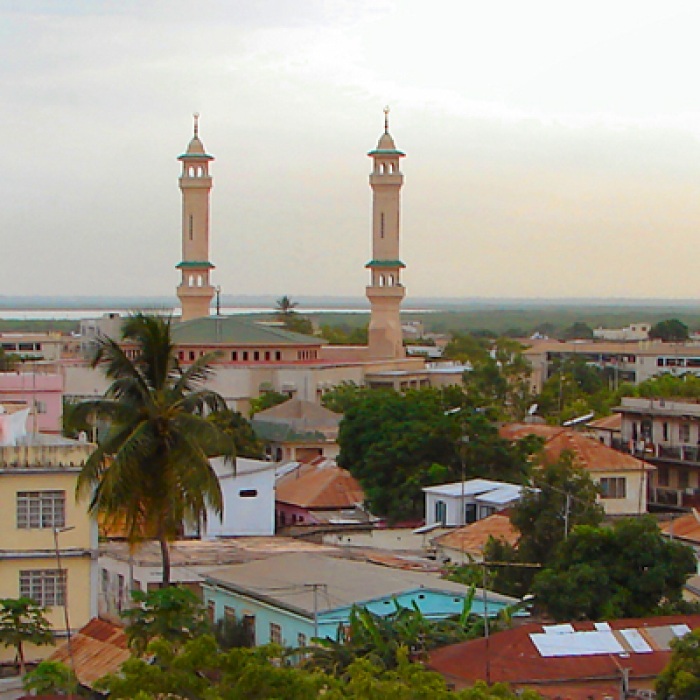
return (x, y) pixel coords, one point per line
(191, 282)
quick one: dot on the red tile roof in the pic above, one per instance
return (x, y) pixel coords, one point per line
(686, 527)
(612, 423)
(471, 539)
(590, 454)
(97, 649)
(319, 486)
(513, 658)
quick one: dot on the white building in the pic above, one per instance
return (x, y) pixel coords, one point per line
(456, 504)
(249, 500)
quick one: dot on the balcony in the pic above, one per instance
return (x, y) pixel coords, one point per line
(678, 453)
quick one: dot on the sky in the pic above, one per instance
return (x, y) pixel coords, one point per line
(552, 147)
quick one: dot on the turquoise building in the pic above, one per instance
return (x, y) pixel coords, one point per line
(290, 598)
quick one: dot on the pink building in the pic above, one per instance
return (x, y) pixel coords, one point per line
(42, 392)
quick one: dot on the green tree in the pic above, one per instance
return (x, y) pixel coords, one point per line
(285, 312)
(266, 400)
(23, 622)
(8, 361)
(51, 678)
(151, 471)
(343, 334)
(395, 444)
(241, 431)
(175, 614)
(670, 330)
(467, 348)
(680, 680)
(562, 496)
(579, 330)
(342, 396)
(626, 570)
(667, 386)
(500, 380)
(285, 307)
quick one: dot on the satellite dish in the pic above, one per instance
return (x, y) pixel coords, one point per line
(579, 420)
(532, 410)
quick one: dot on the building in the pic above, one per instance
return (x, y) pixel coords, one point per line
(578, 661)
(467, 543)
(49, 540)
(632, 362)
(667, 434)
(41, 392)
(292, 598)
(248, 492)
(623, 480)
(195, 290)
(459, 503)
(320, 493)
(633, 332)
(298, 431)
(385, 291)
(123, 568)
(607, 430)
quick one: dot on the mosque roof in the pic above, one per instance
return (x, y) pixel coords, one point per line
(230, 330)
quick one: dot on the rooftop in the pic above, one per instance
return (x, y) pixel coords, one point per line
(319, 485)
(97, 649)
(471, 539)
(541, 656)
(230, 330)
(481, 490)
(285, 580)
(589, 454)
(296, 420)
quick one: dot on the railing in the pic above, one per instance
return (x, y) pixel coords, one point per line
(683, 453)
(666, 497)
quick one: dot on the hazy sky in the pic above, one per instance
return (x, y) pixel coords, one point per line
(552, 147)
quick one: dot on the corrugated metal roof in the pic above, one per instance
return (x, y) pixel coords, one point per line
(97, 649)
(514, 658)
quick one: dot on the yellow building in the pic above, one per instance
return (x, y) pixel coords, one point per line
(48, 542)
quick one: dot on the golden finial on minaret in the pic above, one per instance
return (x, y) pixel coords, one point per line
(386, 119)
(196, 124)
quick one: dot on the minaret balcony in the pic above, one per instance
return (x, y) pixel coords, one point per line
(398, 291)
(194, 183)
(386, 179)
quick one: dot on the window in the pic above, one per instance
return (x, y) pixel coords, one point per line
(301, 640)
(121, 591)
(469, 513)
(275, 633)
(662, 475)
(278, 355)
(249, 625)
(234, 356)
(40, 406)
(613, 487)
(267, 356)
(105, 581)
(665, 432)
(683, 479)
(248, 493)
(685, 432)
(46, 587)
(229, 613)
(256, 355)
(245, 355)
(440, 512)
(41, 509)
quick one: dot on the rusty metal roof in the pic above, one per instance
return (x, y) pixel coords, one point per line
(97, 649)
(514, 658)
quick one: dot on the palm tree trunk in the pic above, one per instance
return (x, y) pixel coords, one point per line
(165, 556)
(20, 657)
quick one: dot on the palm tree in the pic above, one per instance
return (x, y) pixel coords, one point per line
(285, 307)
(150, 473)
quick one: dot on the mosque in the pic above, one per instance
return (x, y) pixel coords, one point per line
(252, 358)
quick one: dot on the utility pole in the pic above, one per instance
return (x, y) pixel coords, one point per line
(567, 509)
(315, 588)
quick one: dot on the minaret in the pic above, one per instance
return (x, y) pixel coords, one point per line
(195, 292)
(385, 290)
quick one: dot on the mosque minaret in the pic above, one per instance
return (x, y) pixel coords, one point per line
(385, 290)
(195, 291)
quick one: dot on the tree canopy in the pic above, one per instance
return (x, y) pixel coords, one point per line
(627, 570)
(680, 680)
(151, 472)
(562, 496)
(23, 622)
(669, 330)
(395, 444)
